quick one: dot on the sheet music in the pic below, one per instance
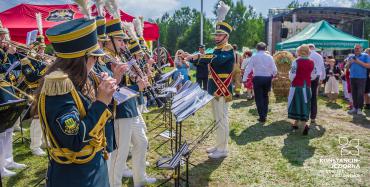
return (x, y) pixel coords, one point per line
(124, 94)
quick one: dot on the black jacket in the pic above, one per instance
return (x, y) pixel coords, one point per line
(336, 70)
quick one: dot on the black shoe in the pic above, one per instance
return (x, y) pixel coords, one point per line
(367, 106)
(305, 131)
(237, 95)
(262, 120)
(295, 127)
(313, 121)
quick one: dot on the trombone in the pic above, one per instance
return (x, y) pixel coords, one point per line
(29, 53)
(6, 83)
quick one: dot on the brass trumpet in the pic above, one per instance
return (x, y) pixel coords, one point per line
(30, 53)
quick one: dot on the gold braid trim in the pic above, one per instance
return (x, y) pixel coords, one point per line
(88, 152)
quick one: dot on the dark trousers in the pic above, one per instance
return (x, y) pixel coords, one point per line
(314, 91)
(261, 87)
(203, 82)
(358, 91)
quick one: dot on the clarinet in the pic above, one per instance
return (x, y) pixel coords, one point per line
(149, 91)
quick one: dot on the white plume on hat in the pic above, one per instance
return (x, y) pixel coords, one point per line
(100, 7)
(221, 11)
(138, 26)
(39, 23)
(84, 8)
(7, 35)
(129, 27)
(2, 28)
(112, 7)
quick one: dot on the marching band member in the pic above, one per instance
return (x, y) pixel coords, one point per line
(220, 64)
(77, 112)
(101, 67)
(129, 124)
(6, 142)
(144, 57)
(33, 70)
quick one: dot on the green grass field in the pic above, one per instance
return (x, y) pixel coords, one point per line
(260, 154)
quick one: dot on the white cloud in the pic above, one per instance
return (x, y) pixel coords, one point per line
(148, 8)
(340, 3)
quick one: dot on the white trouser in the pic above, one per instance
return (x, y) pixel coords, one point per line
(6, 147)
(129, 130)
(345, 90)
(36, 134)
(220, 114)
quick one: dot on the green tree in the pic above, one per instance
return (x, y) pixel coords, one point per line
(364, 4)
(174, 26)
(189, 41)
(248, 25)
(296, 4)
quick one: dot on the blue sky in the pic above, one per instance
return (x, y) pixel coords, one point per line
(156, 8)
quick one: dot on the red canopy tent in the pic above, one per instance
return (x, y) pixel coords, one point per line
(21, 19)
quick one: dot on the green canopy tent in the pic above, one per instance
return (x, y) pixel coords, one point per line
(324, 36)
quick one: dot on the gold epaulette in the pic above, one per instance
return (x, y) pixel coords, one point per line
(227, 47)
(207, 56)
(26, 61)
(57, 83)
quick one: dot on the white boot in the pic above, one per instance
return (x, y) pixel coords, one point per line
(36, 138)
(7, 173)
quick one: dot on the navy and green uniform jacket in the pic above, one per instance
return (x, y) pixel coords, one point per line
(6, 60)
(101, 67)
(74, 126)
(33, 71)
(222, 62)
(127, 109)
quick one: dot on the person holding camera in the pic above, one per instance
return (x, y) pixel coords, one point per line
(358, 78)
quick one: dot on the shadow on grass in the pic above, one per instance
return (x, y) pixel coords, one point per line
(361, 120)
(367, 112)
(199, 175)
(281, 99)
(253, 111)
(333, 105)
(41, 178)
(260, 131)
(14, 181)
(244, 103)
(19, 157)
(297, 147)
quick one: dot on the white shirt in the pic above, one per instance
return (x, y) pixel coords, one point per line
(245, 63)
(262, 64)
(319, 66)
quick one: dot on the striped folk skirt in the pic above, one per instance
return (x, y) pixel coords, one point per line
(299, 103)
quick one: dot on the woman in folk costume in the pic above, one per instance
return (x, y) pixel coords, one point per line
(221, 64)
(73, 112)
(299, 100)
(6, 143)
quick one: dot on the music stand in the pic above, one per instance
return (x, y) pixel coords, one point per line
(195, 99)
(166, 76)
(9, 113)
